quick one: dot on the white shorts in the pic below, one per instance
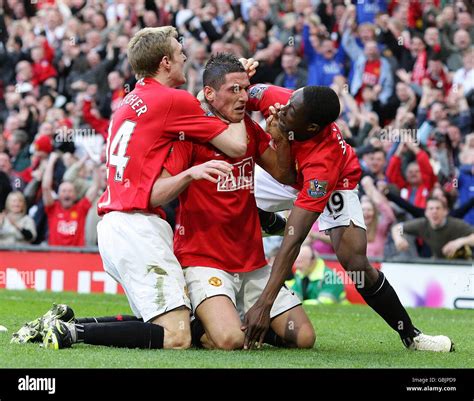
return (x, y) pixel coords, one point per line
(270, 195)
(243, 289)
(137, 251)
(342, 208)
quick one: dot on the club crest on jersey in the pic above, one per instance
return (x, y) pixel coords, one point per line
(256, 91)
(317, 189)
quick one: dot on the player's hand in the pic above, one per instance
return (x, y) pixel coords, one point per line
(449, 250)
(255, 325)
(206, 171)
(250, 66)
(273, 127)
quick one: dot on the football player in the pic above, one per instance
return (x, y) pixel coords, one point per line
(218, 238)
(135, 241)
(326, 188)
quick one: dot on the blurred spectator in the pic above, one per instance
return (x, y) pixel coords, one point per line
(372, 72)
(463, 211)
(378, 217)
(418, 179)
(324, 61)
(466, 177)
(320, 241)
(18, 150)
(194, 68)
(67, 214)
(447, 237)
(76, 174)
(16, 227)
(464, 77)
(5, 189)
(463, 44)
(14, 178)
(314, 282)
(367, 10)
(292, 77)
(400, 68)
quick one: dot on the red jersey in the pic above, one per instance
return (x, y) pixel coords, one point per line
(217, 223)
(141, 131)
(324, 163)
(67, 226)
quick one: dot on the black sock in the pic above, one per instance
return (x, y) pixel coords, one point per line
(122, 334)
(108, 319)
(383, 299)
(197, 331)
(271, 223)
(274, 339)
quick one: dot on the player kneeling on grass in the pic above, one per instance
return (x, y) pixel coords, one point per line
(135, 241)
(218, 239)
(326, 188)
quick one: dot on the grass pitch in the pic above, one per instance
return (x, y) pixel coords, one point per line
(348, 336)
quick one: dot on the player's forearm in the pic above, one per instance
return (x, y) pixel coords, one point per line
(285, 171)
(166, 189)
(233, 140)
(281, 269)
(296, 231)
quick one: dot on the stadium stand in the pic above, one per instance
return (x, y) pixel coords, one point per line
(404, 72)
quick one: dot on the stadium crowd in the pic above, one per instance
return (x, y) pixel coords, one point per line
(404, 72)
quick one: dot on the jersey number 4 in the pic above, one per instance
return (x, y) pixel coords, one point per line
(115, 153)
(117, 148)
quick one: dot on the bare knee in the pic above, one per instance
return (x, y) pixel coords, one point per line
(229, 340)
(306, 337)
(177, 339)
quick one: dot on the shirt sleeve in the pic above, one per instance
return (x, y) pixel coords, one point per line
(179, 158)
(84, 205)
(262, 96)
(319, 181)
(414, 227)
(50, 209)
(187, 121)
(462, 228)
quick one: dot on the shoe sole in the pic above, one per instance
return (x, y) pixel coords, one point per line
(48, 341)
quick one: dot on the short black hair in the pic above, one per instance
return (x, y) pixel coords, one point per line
(321, 105)
(376, 149)
(218, 67)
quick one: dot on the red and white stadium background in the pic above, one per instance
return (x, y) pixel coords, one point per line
(418, 283)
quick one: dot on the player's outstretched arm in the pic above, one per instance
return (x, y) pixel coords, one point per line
(168, 187)
(233, 140)
(278, 162)
(257, 319)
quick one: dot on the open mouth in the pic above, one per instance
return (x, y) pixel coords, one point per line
(240, 109)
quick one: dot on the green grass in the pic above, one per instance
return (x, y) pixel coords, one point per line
(347, 337)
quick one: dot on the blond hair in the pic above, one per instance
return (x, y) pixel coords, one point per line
(148, 47)
(9, 200)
